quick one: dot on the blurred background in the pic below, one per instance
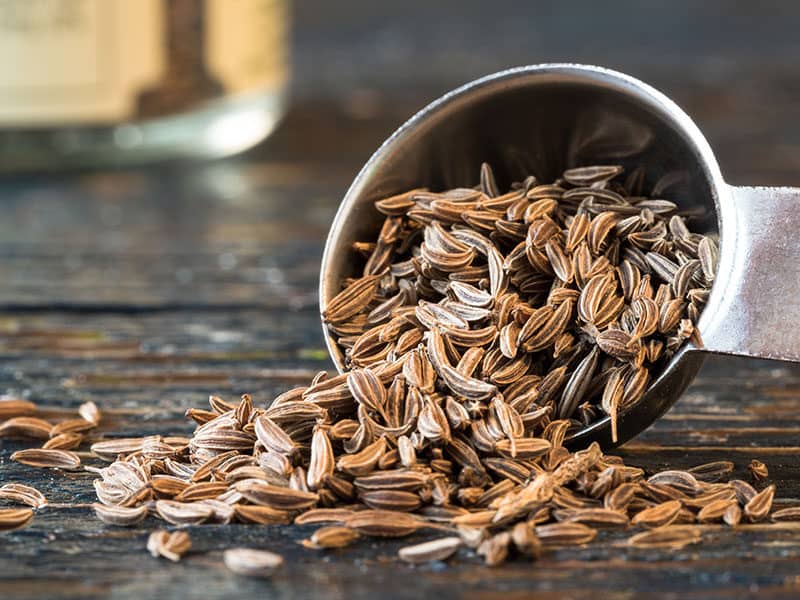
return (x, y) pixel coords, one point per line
(87, 229)
(733, 66)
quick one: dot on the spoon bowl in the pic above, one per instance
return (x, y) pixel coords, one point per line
(543, 119)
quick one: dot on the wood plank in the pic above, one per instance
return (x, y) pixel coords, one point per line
(147, 290)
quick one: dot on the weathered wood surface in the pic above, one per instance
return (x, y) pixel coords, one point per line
(147, 290)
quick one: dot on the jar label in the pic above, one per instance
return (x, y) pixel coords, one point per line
(246, 43)
(73, 61)
(94, 62)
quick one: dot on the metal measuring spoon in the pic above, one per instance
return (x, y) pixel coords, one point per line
(545, 118)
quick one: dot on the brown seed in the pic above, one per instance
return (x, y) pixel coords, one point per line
(666, 537)
(620, 497)
(262, 515)
(352, 299)
(715, 510)
(367, 389)
(321, 464)
(658, 515)
(565, 534)
(110, 449)
(331, 537)
(525, 540)
(71, 426)
(265, 494)
(618, 344)
(578, 384)
(787, 514)
(383, 523)
(183, 513)
(201, 491)
(397, 205)
(594, 517)
(488, 184)
(662, 266)
(168, 485)
(399, 479)
(612, 398)
(169, 545)
(467, 387)
(64, 441)
(272, 436)
(759, 505)
(724, 493)
(733, 515)
(323, 515)
(396, 500)
(23, 494)
(758, 470)
(495, 549)
(470, 295)
(682, 481)
(577, 232)
(578, 463)
(15, 407)
(364, 461)
(47, 458)
(119, 515)
(713, 471)
(744, 491)
(708, 253)
(14, 518)
(559, 261)
(599, 230)
(432, 422)
(30, 427)
(587, 175)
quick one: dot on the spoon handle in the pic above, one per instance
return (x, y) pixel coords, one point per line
(754, 309)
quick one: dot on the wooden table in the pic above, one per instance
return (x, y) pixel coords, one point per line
(147, 290)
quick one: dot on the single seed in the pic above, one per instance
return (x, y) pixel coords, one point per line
(666, 537)
(14, 518)
(171, 546)
(332, 536)
(47, 458)
(120, 515)
(252, 563)
(758, 470)
(23, 494)
(759, 505)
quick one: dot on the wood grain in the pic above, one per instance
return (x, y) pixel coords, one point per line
(147, 290)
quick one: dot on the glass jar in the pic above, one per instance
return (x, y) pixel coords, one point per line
(115, 82)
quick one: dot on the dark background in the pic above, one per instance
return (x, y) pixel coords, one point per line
(733, 66)
(145, 290)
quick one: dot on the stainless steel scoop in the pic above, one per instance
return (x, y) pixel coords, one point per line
(543, 119)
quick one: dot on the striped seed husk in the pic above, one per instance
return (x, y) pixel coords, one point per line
(331, 536)
(47, 458)
(23, 494)
(15, 407)
(26, 427)
(119, 515)
(672, 538)
(14, 518)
